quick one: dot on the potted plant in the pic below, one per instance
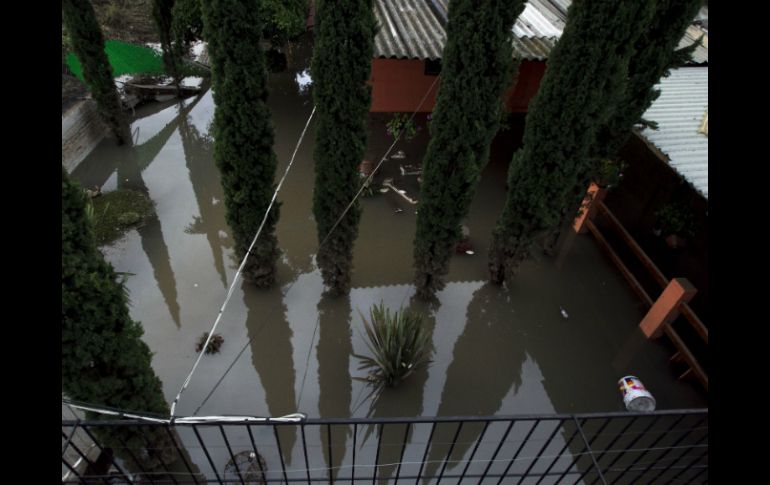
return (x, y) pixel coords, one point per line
(675, 223)
(609, 172)
(402, 122)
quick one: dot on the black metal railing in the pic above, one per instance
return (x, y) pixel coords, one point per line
(607, 448)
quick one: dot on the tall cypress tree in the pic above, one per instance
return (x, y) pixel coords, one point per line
(88, 44)
(653, 55)
(161, 12)
(341, 64)
(585, 81)
(104, 360)
(243, 130)
(477, 67)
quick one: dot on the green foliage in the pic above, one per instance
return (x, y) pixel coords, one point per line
(402, 122)
(186, 23)
(477, 68)
(284, 20)
(88, 43)
(398, 343)
(609, 172)
(115, 212)
(342, 58)
(585, 81)
(651, 57)
(676, 218)
(161, 13)
(243, 131)
(104, 361)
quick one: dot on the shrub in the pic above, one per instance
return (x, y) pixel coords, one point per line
(399, 345)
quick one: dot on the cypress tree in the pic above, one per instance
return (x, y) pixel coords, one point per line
(243, 131)
(585, 81)
(341, 64)
(88, 44)
(477, 67)
(284, 20)
(653, 55)
(186, 24)
(104, 360)
(161, 13)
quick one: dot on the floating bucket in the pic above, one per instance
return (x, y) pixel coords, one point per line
(635, 396)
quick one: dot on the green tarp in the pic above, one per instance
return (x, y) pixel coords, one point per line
(124, 58)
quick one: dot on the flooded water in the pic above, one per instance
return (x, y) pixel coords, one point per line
(497, 350)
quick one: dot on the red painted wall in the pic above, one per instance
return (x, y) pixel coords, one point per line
(398, 85)
(520, 94)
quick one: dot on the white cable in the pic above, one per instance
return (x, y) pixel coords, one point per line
(289, 418)
(322, 242)
(240, 268)
(371, 175)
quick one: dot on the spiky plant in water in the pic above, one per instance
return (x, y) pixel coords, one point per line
(398, 343)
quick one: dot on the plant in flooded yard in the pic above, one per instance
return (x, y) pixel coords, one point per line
(587, 77)
(162, 14)
(402, 124)
(104, 360)
(88, 44)
(342, 58)
(398, 343)
(651, 57)
(477, 68)
(243, 132)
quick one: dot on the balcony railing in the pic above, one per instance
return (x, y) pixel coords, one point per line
(606, 448)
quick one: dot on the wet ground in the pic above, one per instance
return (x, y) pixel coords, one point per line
(497, 350)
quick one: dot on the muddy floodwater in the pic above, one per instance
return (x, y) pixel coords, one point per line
(497, 350)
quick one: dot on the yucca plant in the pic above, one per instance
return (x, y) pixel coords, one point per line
(398, 343)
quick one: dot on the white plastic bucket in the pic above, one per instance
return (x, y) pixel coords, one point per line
(635, 396)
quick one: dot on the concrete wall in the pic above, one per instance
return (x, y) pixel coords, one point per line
(398, 85)
(81, 130)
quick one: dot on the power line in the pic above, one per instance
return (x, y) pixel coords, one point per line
(363, 185)
(240, 268)
(371, 175)
(107, 411)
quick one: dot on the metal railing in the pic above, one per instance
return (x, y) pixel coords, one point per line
(607, 448)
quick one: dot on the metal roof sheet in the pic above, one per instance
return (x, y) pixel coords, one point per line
(415, 29)
(679, 112)
(412, 29)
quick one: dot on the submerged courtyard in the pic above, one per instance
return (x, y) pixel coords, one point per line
(555, 340)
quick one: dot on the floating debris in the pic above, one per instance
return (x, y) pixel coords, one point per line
(399, 155)
(564, 312)
(384, 190)
(398, 209)
(214, 344)
(470, 252)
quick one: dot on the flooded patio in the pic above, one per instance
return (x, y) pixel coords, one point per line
(497, 350)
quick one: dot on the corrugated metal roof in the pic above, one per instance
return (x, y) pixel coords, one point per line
(701, 53)
(411, 29)
(408, 29)
(679, 112)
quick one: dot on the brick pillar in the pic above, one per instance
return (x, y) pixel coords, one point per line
(666, 308)
(594, 194)
(586, 212)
